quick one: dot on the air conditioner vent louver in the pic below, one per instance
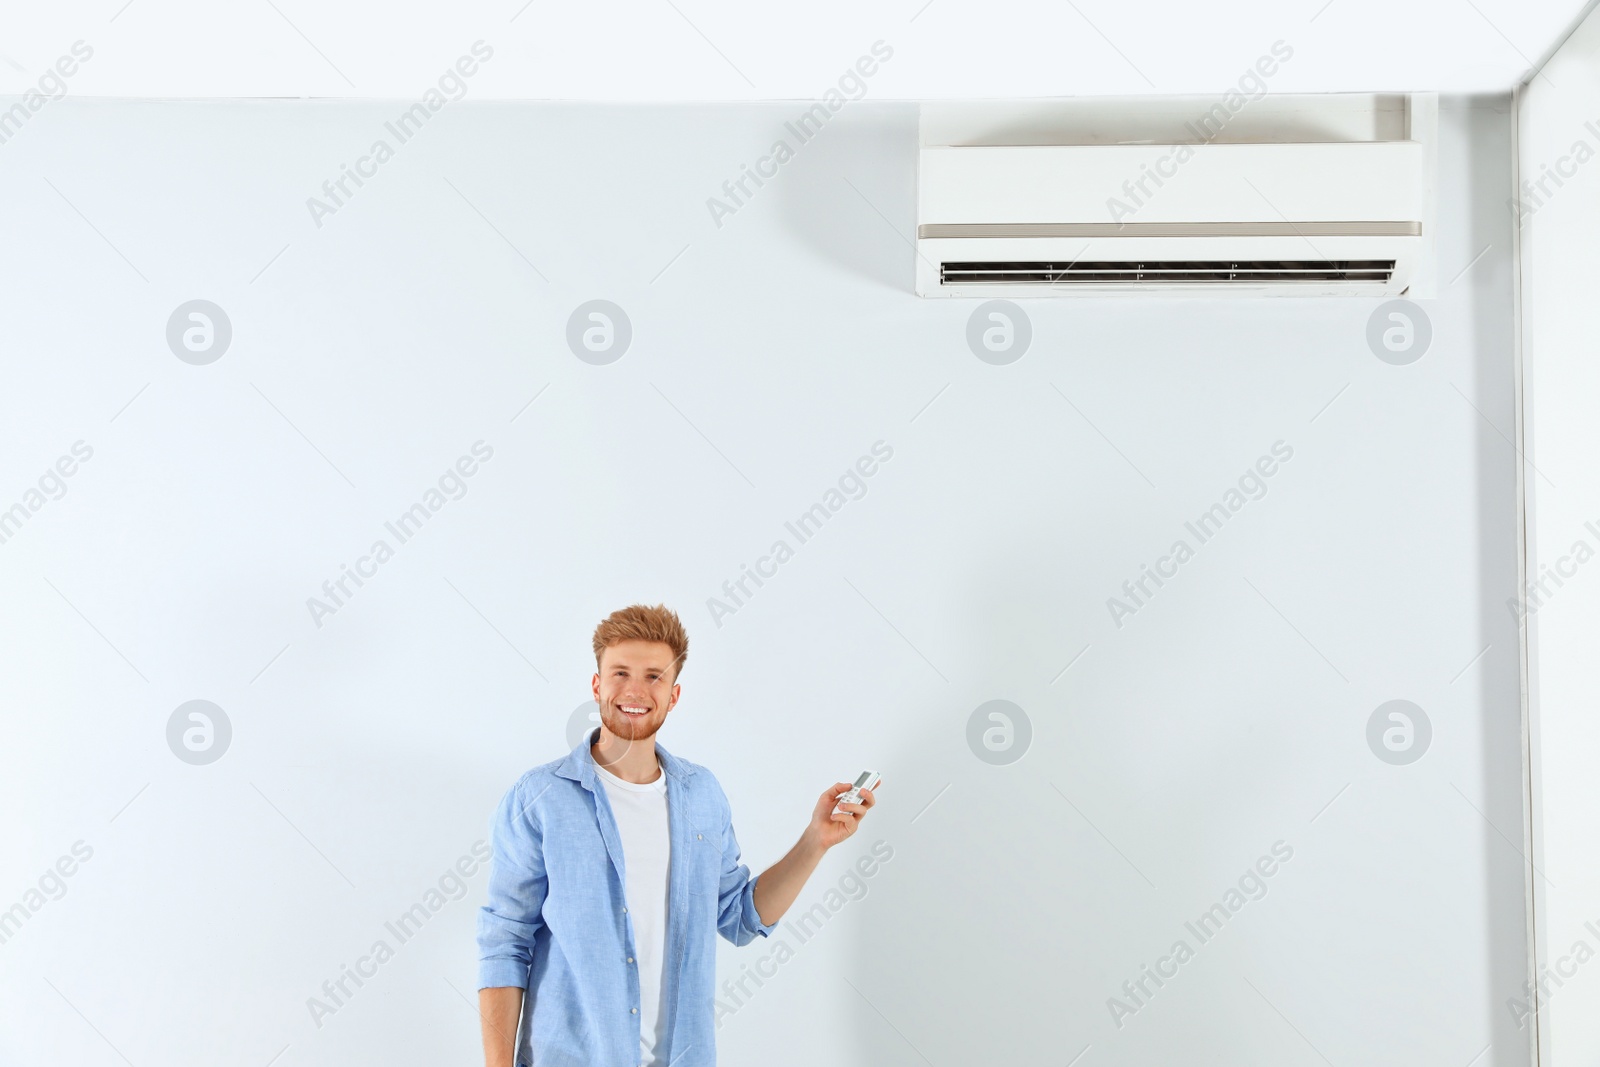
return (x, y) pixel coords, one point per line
(1167, 272)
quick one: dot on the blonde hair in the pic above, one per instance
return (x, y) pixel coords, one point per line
(637, 622)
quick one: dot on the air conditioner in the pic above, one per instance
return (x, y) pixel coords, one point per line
(1283, 219)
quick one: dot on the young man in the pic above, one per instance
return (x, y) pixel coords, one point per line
(614, 868)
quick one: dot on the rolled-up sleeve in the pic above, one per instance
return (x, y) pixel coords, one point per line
(737, 918)
(508, 924)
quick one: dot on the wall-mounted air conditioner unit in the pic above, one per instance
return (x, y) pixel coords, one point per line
(1311, 218)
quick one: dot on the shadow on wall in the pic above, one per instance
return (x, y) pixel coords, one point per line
(850, 192)
(1489, 145)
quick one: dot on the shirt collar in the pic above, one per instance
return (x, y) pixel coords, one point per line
(579, 763)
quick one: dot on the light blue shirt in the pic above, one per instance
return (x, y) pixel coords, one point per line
(557, 922)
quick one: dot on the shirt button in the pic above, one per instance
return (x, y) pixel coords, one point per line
(634, 1011)
(630, 959)
(624, 911)
(699, 837)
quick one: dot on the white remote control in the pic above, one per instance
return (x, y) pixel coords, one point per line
(866, 780)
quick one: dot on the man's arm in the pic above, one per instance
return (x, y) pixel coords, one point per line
(779, 885)
(500, 1007)
(509, 924)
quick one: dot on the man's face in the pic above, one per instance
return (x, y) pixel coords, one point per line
(635, 688)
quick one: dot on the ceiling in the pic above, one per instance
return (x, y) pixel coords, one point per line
(715, 50)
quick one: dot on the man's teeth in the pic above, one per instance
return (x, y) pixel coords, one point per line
(633, 709)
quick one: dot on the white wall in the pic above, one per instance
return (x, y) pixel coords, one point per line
(1559, 209)
(1167, 756)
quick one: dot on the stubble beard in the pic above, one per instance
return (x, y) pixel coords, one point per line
(626, 729)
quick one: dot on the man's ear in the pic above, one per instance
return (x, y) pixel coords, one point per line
(594, 686)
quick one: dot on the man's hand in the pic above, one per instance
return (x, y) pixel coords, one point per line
(779, 884)
(828, 829)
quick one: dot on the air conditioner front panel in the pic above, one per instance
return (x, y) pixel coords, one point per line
(1258, 219)
(1374, 180)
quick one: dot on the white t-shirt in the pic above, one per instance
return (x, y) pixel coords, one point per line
(641, 814)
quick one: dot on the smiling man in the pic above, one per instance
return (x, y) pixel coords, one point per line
(615, 867)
